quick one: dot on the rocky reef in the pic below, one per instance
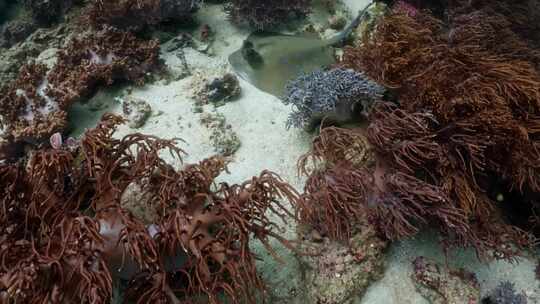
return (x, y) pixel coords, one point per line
(217, 89)
(135, 15)
(266, 14)
(34, 106)
(136, 111)
(16, 31)
(338, 273)
(46, 12)
(439, 285)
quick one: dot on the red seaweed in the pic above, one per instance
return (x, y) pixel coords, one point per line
(66, 235)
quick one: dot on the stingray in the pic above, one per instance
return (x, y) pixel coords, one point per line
(270, 60)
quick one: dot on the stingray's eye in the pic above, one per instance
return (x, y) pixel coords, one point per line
(248, 45)
(253, 58)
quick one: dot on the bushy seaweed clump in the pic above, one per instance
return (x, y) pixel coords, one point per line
(34, 106)
(67, 234)
(266, 14)
(333, 198)
(135, 15)
(465, 133)
(505, 293)
(335, 95)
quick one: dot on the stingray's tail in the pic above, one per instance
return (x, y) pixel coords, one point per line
(340, 38)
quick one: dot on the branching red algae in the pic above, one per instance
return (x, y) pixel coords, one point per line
(134, 15)
(35, 105)
(65, 235)
(467, 119)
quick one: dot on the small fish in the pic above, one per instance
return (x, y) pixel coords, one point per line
(56, 141)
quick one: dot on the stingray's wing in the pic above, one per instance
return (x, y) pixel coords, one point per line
(284, 57)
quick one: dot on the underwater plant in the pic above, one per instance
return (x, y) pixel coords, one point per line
(354, 181)
(34, 106)
(331, 200)
(266, 14)
(134, 15)
(465, 129)
(505, 293)
(67, 233)
(335, 96)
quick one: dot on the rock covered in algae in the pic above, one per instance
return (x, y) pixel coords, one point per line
(137, 201)
(48, 11)
(216, 90)
(137, 111)
(17, 30)
(31, 47)
(266, 14)
(439, 285)
(367, 26)
(224, 140)
(337, 273)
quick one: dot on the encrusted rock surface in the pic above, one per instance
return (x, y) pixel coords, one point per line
(137, 111)
(337, 273)
(216, 89)
(439, 285)
(16, 31)
(39, 41)
(224, 140)
(136, 200)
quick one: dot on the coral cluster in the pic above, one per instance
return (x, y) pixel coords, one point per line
(335, 96)
(266, 14)
(65, 234)
(466, 129)
(34, 105)
(134, 15)
(505, 293)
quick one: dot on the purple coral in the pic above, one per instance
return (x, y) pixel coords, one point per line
(335, 94)
(505, 293)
